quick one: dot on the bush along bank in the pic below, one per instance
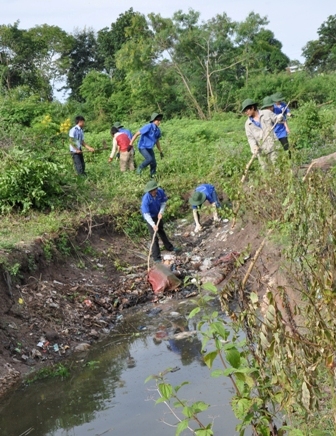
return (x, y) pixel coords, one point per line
(283, 371)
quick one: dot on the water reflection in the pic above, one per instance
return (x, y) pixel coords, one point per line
(105, 393)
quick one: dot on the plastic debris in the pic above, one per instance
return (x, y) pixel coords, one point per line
(87, 302)
(56, 348)
(162, 279)
(20, 301)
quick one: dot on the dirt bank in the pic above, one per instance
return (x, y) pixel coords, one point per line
(54, 304)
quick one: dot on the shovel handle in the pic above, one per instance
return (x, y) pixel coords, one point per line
(151, 246)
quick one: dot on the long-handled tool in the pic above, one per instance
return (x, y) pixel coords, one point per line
(250, 162)
(152, 243)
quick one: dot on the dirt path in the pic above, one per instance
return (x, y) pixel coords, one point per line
(59, 306)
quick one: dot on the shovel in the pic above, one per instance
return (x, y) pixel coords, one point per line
(159, 276)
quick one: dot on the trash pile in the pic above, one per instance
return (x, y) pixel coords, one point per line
(51, 319)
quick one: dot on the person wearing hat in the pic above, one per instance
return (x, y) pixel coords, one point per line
(259, 128)
(281, 130)
(201, 194)
(153, 205)
(122, 129)
(121, 144)
(150, 136)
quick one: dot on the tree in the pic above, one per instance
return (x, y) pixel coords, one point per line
(111, 40)
(19, 53)
(320, 54)
(260, 50)
(52, 42)
(82, 58)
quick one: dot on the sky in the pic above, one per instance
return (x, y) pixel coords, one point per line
(294, 22)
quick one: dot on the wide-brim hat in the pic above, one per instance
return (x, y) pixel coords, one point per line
(278, 96)
(155, 116)
(117, 125)
(151, 185)
(248, 102)
(267, 102)
(197, 198)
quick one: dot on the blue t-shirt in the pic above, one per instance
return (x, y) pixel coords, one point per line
(152, 205)
(128, 132)
(278, 109)
(150, 134)
(208, 190)
(280, 129)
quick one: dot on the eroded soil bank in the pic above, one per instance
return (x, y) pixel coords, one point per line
(56, 305)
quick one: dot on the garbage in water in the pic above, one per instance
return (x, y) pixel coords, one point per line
(162, 279)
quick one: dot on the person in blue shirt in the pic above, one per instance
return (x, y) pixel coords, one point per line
(122, 129)
(281, 130)
(202, 193)
(150, 136)
(76, 137)
(153, 205)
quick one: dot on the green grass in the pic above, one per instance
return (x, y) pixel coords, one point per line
(195, 152)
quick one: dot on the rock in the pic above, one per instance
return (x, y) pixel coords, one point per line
(82, 347)
(207, 263)
(51, 335)
(94, 334)
(213, 276)
(154, 312)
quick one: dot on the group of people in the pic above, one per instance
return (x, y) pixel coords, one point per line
(266, 130)
(122, 145)
(153, 205)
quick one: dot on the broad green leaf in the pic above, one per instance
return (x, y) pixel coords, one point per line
(151, 377)
(218, 327)
(204, 432)
(233, 357)
(210, 287)
(187, 411)
(254, 297)
(181, 426)
(177, 388)
(200, 406)
(160, 400)
(209, 358)
(165, 390)
(228, 371)
(194, 312)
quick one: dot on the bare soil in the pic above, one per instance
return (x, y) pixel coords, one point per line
(55, 304)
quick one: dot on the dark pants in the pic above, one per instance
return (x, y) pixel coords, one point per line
(164, 238)
(79, 163)
(149, 155)
(285, 145)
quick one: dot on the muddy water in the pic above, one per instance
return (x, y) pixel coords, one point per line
(105, 393)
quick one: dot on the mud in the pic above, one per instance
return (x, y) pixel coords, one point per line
(57, 305)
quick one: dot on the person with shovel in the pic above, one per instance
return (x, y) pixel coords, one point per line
(281, 130)
(153, 205)
(202, 193)
(259, 128)
(150, 136)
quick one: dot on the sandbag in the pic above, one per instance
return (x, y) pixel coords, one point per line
(162, 279)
